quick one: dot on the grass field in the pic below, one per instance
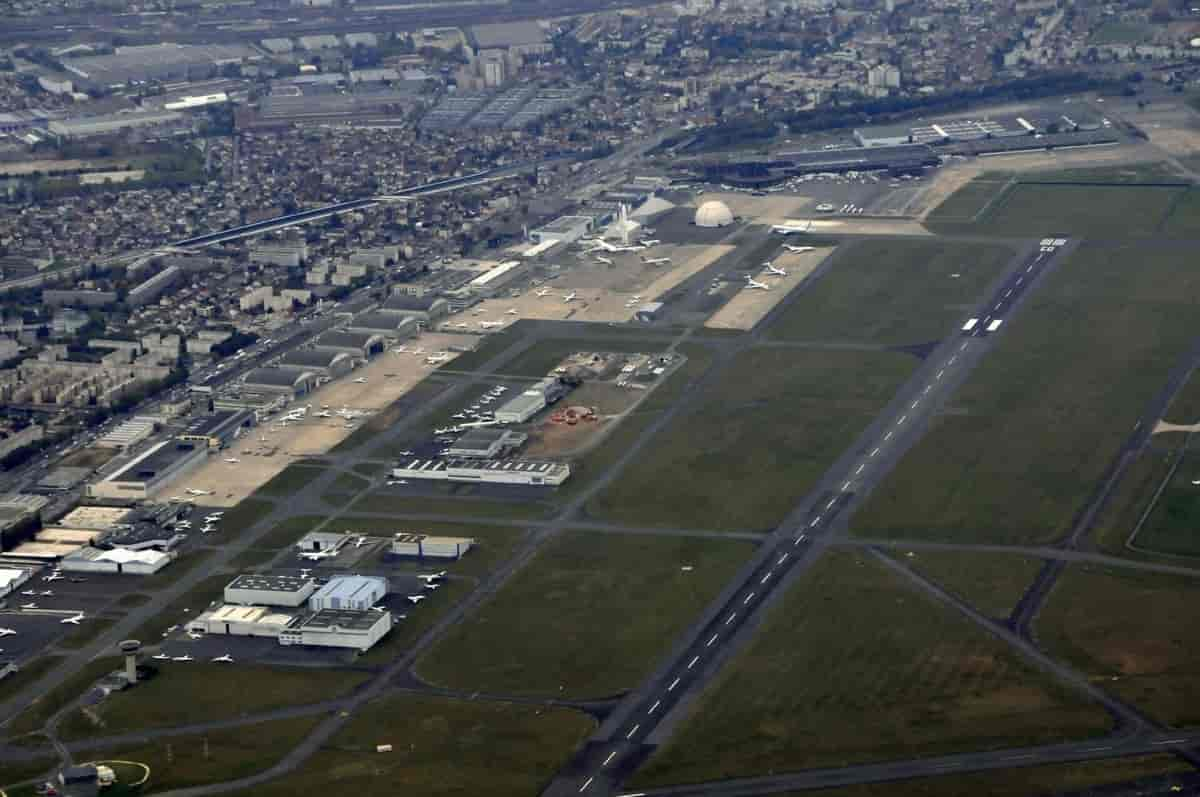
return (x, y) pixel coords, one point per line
(1185, 407)
(87, 632)
(970, 200)
(417, 621)
(450, 503)
(893, 292)
(213, 692)
(1045, 413)
(441, 748)
(539, 359)
(1131, 630)
(589, 617)
(244, 515)
(1129, 500)
(343, 487)
(45, 706)
(855, 666)
(1184, 221)
(761, 438)
(16, 771)
(1090, 211)
(290, 481)
(1021, 782)
(1173, 525)
(177, 762)
(29, 672)
(992, 583)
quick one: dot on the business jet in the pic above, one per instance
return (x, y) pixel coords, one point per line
(656, 261)
(29, 593)
(198, 492)
(603, 260)
(794, 229)
(430, 585)
(316, 556)
(194, 635)
(416, 598)
(29, 606)
(542, 292)
(401, 350)
(775, 270)
(512, 311)
(753, 283)
(183, 658)
(161, 657)
(226, 659)
(47, 593)
(362, 380)
(76, 620)
(431, 577)
(232, 460)
(324, 414)
(650, 242)
(799, 250)
(491, 324)
(360, 542)
(207, 528)
(570, 297)
(7, 632)
(396, 482)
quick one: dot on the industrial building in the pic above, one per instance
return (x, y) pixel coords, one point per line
(330, 364)
(270, 590)
(13, 577)
(119, 561)
(331, 628)
(357, 593)
(511, 471)
(153, 288)
(145, 122)
(129, 433)
(494, 280)
(530, 402)
(280, 381)
(148, 472)
(166, 62)
(564, 229)
(486, 443)
(218, 429)
(423, 546)
(356, 344)
(423, 308)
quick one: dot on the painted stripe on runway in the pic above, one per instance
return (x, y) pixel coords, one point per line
(632, 731)
(859, 469)
(939, 373)
(783, 559)
(903, 418)
(875, 451)
(1097, 749)
(674, 684)
(1171, 741)
(586, 783)
(816, 520)
(1017, 757)
(608, 760)
(654, 708)
(692, 663)
(730, 618)
(845, 486)
(832, 501)
(887, 436)
(765, 578)
(710, 641)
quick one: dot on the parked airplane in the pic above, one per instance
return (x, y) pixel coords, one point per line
(183, 658)
(160, 657)
(431, 577)
(753, 283)
(316, 556)
(416, 598)
(29, 593)
(797, 250)
(362, 380)
(650, 242)
(226, 659)
(29, 606)
(54, 576)
(360, 542)
(603, 260)
(540, 292)
(46, 593)
(72, 620)
(7, 632)
(792, 229)
(773, 269)
(491, 324)
(395, 482)
(429, 585)
(232, 460)
(512, 311)
(570, 297)
(655, 261)
(198, 492)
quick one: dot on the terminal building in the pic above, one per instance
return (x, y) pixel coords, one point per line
(218, 429)
(139, 479)
(513, 471)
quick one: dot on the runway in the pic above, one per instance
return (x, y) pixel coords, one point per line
(633, 730)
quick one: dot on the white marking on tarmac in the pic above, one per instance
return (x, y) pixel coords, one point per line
(611, 756)
(903, 418)
(1171, 741)
(586, 783)
(952, 359)
(708, 644)
(816, 520)
(962, 347)
(832, 501)
(1008, 293)
(692, 663)
(845, 486)
(926, 390)
(783, 559)
(654, 708)
(765, 579)
(1018, 757)
(859, 469)
(887, 436)
(749, 598)
(1097, 749)
(875, 451)
(730, 618)
(913, 406)
(939, 373)
(674, 684)
(632, 731)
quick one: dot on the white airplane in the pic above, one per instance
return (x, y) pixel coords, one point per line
(542, 292)
(753, 283)
(401, 350)
(226, 659)
(650, 242)
(193, 635)
(183, 658)
(655, 261)
(799, 250)
(790, 229)
(46, 593)
(431, 586)
(491, 324)
(232, 460)
(324, 414)
(570, 297)
(7, 632)
(773, 269)
(512, 311)
(416, 598)
(29, 593)
(603, 260)
(160, 657)
(207, 529)
(54, 576)
(394, 482)
(198, 492)
(214, 516)
(76, 620)
(316, 556)
(362, 380)
(29, 606)
(429, 578)
(360, 542)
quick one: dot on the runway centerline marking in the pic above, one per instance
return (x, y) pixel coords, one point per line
(674, 684)
(875, 451)
(845, 486)
(608, 760)
(859, 469)
(710, 641)
(1171, 741)
(654, 708)
(730, 618)
(749, 598)
(939, 373)
(782, 559)
(586, 783)
(903, 418)
(632, 731)
(765, 578)
(692, 663)
(887, 436)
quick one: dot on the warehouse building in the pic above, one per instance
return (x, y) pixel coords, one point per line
(512, 471)
(564, 229)
(218, 429)
(269, 590)
(280, 382)
(357, 593)
(129, 433)
(486, 443)
(117, 561)
(321, 542)
(160, 464)
(390, 325)
(331, 628)
(259, 621)
(329, 364)
(356, 344)
(423, 546)
(494, 280)
(146, 123)
(425, 309)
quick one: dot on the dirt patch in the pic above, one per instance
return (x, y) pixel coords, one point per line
(558, 440)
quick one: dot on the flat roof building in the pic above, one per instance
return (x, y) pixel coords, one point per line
(521, 407)
(510, 471)
(564, 229)
(422, 546)
(160, 464)
(260, 621)
(331, 628)
(269, 590)
(129, 433)
(321, 541)
(118, 123)
(486, 443)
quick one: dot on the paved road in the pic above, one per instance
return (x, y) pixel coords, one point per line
(630, 733)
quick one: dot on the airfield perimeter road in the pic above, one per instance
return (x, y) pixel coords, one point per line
(647, 715)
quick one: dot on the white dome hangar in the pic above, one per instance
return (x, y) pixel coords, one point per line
(714, 214)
